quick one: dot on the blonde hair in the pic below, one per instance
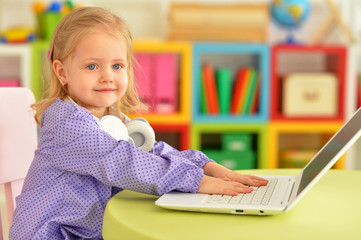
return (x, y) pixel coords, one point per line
(66, 36)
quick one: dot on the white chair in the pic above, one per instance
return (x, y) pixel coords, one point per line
(18, 140)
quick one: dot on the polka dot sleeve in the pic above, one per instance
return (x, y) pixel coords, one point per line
(80, 146)
(164, 150)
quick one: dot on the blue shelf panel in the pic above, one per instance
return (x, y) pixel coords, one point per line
(232, 56)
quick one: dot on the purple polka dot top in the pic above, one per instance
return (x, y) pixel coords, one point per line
(78, 167)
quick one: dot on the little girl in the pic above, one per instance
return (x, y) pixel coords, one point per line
(78, 167)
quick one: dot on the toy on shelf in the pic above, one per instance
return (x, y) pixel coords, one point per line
(329, 23)
(48, 16)
(18, 35)
(290, 14)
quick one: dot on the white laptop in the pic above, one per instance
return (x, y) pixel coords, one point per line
(281, 193)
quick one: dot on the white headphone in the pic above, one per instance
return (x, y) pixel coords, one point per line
(136, 131)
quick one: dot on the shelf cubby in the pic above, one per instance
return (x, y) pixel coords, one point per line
(183, 51)
(232, 56)
(207, 135)
(299, 135)
(176, 135)
(15, 64)
(289, 59)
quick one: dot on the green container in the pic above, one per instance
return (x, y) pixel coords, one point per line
(51, 20)
(236, 142)
(233, 160)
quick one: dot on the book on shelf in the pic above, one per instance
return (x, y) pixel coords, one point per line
(238, 90)
(251, 91)
(210, 88)
(203, 100)
(166, 82)
(255, 100)
(224, 87)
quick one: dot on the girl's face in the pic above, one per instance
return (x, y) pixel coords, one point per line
(96, 72)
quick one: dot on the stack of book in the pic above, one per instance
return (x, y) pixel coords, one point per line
(220, 94)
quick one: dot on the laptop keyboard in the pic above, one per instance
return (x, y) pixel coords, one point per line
(259, 195)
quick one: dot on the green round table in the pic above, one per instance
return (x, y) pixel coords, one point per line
(330, 210)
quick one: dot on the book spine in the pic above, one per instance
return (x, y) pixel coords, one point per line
(250, 91)
(237, 90)
(224, 87)
(245, 87)
(255, 102)
(203, 101)
(210, 89)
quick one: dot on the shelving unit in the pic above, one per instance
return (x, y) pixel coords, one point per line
(188, 127)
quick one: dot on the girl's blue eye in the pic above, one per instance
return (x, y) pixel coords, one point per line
(91, 67)
(117, 66)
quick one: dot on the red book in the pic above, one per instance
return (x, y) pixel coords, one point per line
(210, 89)
(237, 90)
(255, 103)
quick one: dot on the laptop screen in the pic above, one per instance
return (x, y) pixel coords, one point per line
(330, 150)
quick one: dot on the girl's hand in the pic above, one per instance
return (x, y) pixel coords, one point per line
(212, 185)
(215, 170)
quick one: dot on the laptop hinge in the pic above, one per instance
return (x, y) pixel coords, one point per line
(287, 196)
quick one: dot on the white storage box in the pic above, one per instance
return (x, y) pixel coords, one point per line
(310, 95)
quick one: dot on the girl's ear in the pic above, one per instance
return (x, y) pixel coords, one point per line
(60, 72)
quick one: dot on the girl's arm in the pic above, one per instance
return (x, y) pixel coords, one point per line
(164, 150)
(77, 144)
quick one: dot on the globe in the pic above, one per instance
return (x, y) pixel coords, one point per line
(290, 13)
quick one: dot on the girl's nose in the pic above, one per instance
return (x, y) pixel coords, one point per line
(107, 76)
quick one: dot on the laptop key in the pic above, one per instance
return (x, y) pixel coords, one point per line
(213, 198)
(248, 197)
(258, 196)
(225, 199)
(236, 199)
(271, 186)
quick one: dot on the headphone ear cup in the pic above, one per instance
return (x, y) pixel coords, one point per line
(141, 133)
(114, 127)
